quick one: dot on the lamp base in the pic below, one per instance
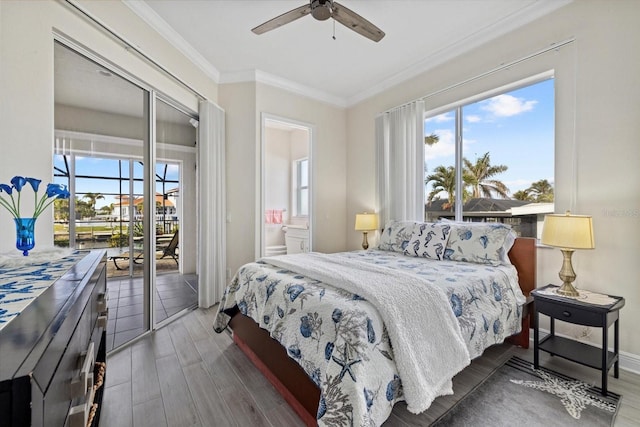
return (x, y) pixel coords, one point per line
(365, 242)
(567, 275)
(567, 290)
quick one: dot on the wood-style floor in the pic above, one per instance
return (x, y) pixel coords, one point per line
(187, 375)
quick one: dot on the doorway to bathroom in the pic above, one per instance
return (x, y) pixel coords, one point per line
(286, 203)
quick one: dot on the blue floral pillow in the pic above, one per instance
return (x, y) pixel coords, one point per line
(429, 240)
(396, 235)
(482, 243)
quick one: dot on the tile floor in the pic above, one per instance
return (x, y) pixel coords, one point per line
(174, 292)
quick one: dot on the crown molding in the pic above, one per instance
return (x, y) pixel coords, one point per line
(149, 16)
(446, 53)
(259, 76)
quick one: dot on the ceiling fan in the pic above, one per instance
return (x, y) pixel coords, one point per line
(323, 10)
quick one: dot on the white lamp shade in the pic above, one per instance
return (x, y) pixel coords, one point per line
(366, 222)
(568, 231)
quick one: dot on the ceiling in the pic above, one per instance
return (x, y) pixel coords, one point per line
(303, 57)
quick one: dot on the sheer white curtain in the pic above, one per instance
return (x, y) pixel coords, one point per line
(212, 262)
(400, 163)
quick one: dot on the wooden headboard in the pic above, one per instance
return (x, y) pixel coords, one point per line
(523, 257)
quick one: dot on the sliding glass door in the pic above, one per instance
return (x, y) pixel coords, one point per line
(126, 156)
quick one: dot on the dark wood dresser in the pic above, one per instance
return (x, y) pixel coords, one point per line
(52, 355)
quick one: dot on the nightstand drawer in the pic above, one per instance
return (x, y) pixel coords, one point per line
(569, 313)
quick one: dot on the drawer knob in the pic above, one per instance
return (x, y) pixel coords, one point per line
(566, 313)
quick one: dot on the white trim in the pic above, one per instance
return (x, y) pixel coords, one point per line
(259, 76)
(116, 140)
(151, 18)
(446, 53)
(260, 177)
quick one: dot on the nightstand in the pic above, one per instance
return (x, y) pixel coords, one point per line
(583, 313)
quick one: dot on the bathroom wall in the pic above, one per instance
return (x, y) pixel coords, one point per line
(277, 183)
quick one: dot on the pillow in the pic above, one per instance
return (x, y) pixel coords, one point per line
(428, 240)
(479, 242)
(396, 236)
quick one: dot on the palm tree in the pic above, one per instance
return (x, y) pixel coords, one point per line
(480, 174)
(431, 139)
(541, 191)
(522, 195)
(443, 179)
(93, 197)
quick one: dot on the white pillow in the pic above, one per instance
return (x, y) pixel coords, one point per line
(479, 242)
(396, 236)
(429, 240)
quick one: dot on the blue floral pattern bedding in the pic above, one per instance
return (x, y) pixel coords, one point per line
(339, 339)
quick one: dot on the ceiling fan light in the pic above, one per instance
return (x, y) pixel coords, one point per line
(321, 10)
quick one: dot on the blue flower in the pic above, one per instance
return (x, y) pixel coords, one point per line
(12, 204)
(337, 315)
(18, 182)
(280, 312)
(266, 318)
(57, 190)
(6, 188)
(35, 183)
(484, 240)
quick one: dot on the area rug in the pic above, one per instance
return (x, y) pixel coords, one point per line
(517, 395)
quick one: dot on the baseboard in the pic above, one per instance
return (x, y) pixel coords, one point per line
(628, 361)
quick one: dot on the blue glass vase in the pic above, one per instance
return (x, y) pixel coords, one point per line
(25, 234)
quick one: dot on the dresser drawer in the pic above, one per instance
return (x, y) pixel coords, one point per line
(569, 313)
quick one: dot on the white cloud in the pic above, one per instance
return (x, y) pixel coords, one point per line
(445, 147)
(441, 118)
(507, 105)
(473, 118)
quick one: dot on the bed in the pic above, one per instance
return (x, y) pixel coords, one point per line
(337, 342)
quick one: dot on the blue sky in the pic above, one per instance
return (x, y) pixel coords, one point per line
(516, 128)
(92, 166)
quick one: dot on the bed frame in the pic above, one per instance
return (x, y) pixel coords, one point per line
(293, 383)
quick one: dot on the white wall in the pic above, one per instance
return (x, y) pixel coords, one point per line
(328, 157)
(277, 185)
(26, 83)
(597, 130)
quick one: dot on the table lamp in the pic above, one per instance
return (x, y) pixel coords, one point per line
(568, 232)
(366, 222)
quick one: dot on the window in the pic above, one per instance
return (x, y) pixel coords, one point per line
(506, 163)
(301, 186)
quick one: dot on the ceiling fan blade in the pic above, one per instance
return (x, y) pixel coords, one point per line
(285, 18)
(357, 23)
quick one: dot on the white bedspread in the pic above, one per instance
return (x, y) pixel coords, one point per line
(426, 370)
